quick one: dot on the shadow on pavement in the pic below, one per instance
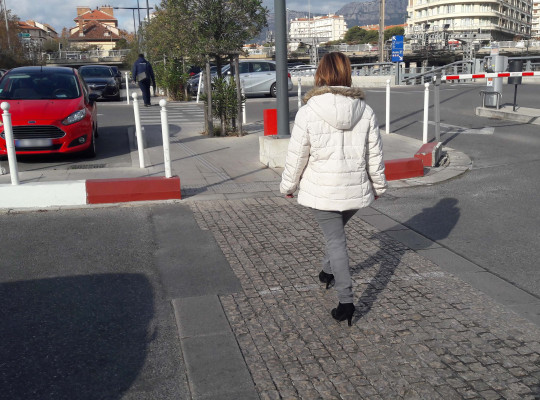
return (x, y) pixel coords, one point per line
(81, 337)
(442, 227)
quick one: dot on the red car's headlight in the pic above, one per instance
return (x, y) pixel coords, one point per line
(75, 117)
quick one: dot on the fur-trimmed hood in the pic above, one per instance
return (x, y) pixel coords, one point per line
(354, 92)
(340, 106)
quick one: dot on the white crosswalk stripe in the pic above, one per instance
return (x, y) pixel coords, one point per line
(177, 113)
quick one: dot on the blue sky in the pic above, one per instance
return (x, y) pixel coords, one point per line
(60, 13)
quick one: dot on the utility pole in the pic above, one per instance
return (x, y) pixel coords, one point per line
(133, 9)
(381, 33)
(7, 25)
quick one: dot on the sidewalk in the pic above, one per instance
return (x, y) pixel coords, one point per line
(420, 331)
(219, 167)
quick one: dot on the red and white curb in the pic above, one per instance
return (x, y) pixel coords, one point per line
(90, 191)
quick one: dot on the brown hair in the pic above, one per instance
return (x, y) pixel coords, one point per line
(334, 70)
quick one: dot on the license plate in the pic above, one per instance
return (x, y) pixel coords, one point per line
(33, 143)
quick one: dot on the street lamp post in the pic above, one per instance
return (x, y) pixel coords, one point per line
(281, 70)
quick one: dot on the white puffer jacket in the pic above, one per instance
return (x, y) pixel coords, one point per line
(335, 152)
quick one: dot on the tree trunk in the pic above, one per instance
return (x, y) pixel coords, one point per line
(238, 93)
(208, 84)
(185, 85)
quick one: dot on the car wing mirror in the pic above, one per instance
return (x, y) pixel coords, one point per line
(92, 97)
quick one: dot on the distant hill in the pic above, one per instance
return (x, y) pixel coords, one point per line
(355, 13)
(367, 13)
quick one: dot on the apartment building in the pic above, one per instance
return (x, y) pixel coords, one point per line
(502, 19)
(535, 30)
(95, 28)
(319, 29)
(36, 32)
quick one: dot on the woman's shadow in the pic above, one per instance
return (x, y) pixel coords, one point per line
(444, 214)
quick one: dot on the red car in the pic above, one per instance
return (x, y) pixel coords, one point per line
(51, 111)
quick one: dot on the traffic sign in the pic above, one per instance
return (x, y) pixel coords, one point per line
(397, 48)
(24, 35)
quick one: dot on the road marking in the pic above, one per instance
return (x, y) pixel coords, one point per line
(177, 113)
(487, 130)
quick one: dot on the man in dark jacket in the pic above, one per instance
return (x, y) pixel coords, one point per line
(143, 74)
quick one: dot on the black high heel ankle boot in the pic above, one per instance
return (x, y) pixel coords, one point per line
(344, 312)
(326, 278)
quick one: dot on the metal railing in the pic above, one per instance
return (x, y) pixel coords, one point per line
(421, 75)
(367, 69)
(417, 75)
(85, 55)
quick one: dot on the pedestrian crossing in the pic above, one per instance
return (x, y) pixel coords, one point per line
(178, 113)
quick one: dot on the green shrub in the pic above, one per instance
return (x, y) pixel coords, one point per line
(170, 77)
(224, 103)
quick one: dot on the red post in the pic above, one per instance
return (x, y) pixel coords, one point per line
(270, 121)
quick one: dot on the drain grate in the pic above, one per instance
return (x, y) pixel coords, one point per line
(87, 166)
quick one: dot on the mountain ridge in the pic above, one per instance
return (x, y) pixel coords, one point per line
(357, 13)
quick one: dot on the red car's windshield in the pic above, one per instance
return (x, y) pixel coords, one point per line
(39, 85)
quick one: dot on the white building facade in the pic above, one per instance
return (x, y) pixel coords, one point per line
(535, 30)
(502, 19)
(321, 29)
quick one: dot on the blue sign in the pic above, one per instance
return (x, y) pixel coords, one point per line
(397, 48)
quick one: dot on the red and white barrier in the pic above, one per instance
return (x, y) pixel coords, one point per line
(489, 75)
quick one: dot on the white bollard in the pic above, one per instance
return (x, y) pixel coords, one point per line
(10, 145)
(387, 127)
(244, 103)
(138, 130)
(199, 87)
(299, 92)
(165, 135)
(127, 88)
(426, 113)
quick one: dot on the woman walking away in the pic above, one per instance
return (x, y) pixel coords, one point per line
(335, 160)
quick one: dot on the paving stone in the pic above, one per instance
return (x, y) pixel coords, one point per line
(418, 332)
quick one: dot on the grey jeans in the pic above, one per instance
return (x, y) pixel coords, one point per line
(336, 259)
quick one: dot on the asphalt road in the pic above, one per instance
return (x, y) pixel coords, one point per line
(497, 201)
(85, 312)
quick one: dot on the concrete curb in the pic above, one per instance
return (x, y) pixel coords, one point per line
(90, 191)
(522, 114)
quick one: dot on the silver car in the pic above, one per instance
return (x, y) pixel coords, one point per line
(257, 77)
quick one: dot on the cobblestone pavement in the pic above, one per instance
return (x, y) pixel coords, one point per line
(418, 333)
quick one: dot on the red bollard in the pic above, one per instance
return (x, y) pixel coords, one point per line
(270, 121)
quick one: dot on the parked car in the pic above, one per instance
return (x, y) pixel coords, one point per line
(295, 64)
(193, 82)
(51, 111)
(117, 75)
(257, 77)
(101, 81)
